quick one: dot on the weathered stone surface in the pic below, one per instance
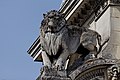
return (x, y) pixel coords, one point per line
(93, 69)
(103, 25)
(86, 66)
(115, 34)
(53, 74)
(59, 40)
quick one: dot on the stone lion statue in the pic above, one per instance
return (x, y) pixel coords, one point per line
(59, 40)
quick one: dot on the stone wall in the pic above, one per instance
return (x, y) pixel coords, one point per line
(108, 25)
(113, 48)
(115, 30)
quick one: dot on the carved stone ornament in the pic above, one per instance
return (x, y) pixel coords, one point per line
(113, 72)
(92, 67)
(59, 41)
(115, 1)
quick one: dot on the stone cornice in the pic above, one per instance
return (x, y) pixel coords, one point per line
(81, 10)
(70, 7)
(34, 51)
(66, 5)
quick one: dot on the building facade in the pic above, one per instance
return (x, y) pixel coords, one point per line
(102, 16)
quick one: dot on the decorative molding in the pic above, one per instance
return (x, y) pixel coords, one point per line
(115, 1)
(91, 65)
(113, 72)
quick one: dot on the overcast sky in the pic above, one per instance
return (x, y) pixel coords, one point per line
(19, 27)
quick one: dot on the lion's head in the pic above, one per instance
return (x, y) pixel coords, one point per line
(53, 21)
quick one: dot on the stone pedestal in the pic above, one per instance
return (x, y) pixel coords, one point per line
(53, 74)
(54, 78)
(94, 69)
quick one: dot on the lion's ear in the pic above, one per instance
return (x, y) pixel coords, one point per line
(44, 15)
